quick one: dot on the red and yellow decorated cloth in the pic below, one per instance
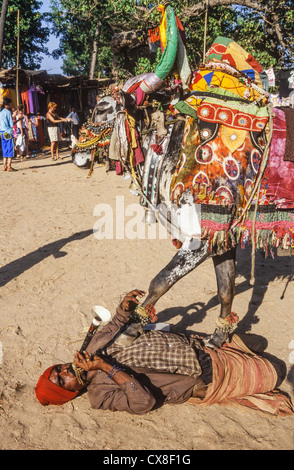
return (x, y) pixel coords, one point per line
(222, 149)
(206, 78)
(226, 50)
(234, 115)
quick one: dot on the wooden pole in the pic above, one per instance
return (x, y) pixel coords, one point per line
(92, 163)
(17, 61)
(205, 31)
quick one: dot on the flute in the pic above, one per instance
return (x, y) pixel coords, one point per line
(102, 316)
(91, 331)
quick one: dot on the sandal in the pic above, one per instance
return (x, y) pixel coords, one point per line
(4, 167)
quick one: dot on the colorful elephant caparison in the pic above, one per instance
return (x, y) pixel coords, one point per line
(206, 147)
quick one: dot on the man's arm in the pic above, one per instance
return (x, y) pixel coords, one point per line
(110, 387)
(123, 312)
(115, 390)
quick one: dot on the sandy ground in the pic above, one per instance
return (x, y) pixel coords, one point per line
(53, 270)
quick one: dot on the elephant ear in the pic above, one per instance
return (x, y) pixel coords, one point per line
(105, 110)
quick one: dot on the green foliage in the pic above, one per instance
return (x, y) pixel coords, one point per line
(147, 63)
(75, 22)
(33, 34)
(240, 24)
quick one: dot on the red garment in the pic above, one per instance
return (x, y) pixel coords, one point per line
(49, 393)
(243, 377)
(25, 100)
(138, 154)
(280, 173)
(40, 130)
(140, 96)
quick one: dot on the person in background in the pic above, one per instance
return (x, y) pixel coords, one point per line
(73, 115)
(25, 121)
(20, 145)
(6, 131)
(22, 134)
(53, 121)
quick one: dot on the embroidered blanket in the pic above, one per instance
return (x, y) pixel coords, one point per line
(289, 150)
(222, 151)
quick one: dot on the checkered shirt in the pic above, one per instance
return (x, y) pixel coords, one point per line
(162, 351)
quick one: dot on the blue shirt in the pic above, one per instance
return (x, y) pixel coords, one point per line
(74, 117)
(6, 122)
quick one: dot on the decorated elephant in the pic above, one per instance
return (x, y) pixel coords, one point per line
(95, 134)
(210, 158)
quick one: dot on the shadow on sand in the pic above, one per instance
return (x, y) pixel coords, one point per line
(16, 268)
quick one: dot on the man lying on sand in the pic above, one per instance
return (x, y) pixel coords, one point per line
(159, 367)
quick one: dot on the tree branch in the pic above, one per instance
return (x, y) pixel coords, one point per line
(199, 8)
(269, 13)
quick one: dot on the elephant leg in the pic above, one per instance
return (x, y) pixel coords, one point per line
(225, 270)
(182, 263)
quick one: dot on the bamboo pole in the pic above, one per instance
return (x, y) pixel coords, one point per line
(17, 60)
(205, 31)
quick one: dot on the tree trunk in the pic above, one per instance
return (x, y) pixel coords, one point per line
(2, 26)
(94, 53)
(128, 40)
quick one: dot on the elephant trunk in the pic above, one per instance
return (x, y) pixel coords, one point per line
(154, 81)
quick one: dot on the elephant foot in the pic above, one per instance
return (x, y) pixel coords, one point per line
(217, 339)
(225, 326)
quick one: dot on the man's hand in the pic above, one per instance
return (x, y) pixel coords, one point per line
(130, 301)
(87, 363)
(97, 363)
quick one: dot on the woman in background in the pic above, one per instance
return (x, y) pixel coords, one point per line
(53, 121)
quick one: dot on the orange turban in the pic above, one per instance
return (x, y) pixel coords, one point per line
(48, 393)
